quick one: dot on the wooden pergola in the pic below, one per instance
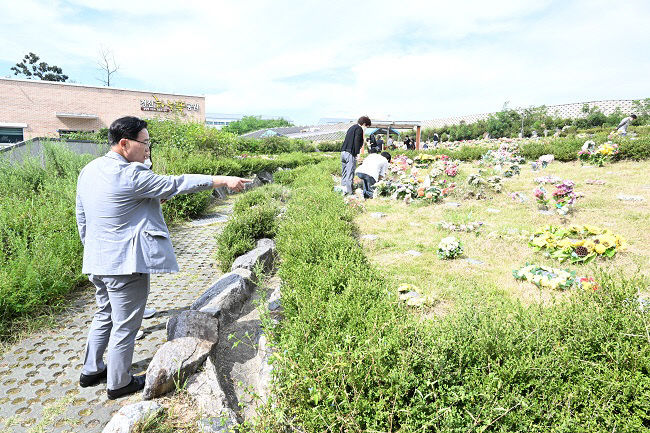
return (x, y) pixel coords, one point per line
(399, 124)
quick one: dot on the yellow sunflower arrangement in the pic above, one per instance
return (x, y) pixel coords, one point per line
(578, 244)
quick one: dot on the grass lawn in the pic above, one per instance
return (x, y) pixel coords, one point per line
(502, 242)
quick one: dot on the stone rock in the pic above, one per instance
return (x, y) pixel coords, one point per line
(216, 425)
(275, 304)
(205, 389)
(413, 253)
(625, 197)
(254, 184)
(192, 323)
(227, 304)
(265, 177)
(378, 215)
(240, 276)
(220, 193)
(173, 363)
(126, 418)
(264, 253)
(370, 237)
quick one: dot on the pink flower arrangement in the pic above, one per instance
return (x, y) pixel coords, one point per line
(451, 170)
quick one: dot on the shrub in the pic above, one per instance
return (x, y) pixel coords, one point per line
(564, 149)
(260, 196)
(330, 146)
(254, 123)
(254, 217)
(634, 149)
(190, 137)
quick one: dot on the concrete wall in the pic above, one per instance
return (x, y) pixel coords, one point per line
(564, 110)
(37, 103)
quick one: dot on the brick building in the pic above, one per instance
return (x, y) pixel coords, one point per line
(33, 108)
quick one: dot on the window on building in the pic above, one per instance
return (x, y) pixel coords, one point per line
(11, 135)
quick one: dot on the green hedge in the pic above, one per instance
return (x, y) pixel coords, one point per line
(254, 217)
(349, 357)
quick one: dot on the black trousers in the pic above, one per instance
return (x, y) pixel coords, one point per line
(368, 184)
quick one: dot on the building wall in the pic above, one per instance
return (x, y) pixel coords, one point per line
(36, 103)
(564, 110)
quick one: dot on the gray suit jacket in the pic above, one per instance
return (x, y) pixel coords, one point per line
(119, 216)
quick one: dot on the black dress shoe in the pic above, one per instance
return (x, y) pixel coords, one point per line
(91, 379)
(137, 383)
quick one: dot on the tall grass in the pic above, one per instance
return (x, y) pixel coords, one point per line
(40, 258)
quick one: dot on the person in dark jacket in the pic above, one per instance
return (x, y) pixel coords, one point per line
(350, 150)
(380, 143)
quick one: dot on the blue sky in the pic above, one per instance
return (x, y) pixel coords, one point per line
(409, 60)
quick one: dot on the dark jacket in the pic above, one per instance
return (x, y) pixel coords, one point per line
(353, 140)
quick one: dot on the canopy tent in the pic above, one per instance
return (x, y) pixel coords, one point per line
(269, 133)
(394, 125)
(381, 131)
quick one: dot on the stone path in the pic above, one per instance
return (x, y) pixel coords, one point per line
(39, 390)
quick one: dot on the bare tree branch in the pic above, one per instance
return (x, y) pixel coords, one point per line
(107, 65)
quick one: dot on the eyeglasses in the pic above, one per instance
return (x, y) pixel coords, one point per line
(146, 143)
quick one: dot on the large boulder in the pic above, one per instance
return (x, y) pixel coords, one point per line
(128, 416)
(263, 253)
(227, 305)
(205, 388)
(254, 184)
(173, 363)
(265, 176)
(191, 323)
(241, 277)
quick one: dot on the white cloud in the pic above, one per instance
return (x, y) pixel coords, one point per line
(416, 59)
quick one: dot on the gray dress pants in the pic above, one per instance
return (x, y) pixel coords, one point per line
(120, 300)
(349, 164)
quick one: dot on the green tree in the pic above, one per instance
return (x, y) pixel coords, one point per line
(254, 123)
(30, 67)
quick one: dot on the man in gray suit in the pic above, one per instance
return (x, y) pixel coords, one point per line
(125, 239)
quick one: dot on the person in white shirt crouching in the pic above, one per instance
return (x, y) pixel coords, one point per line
(373, 168)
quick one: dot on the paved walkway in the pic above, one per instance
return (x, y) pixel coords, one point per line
(39, 390)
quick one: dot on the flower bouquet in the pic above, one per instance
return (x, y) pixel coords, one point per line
(577, 244)
(384, 188)
(431, 194)
(449, 248)
(542, 197)
(546, 277)
(564, 197)
(597, 156)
